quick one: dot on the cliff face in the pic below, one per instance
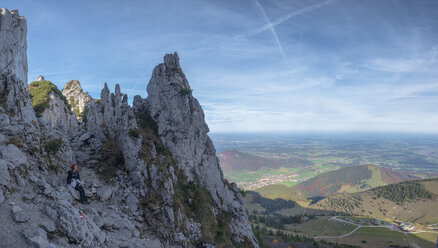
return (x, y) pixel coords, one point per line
(150, 170)
(13, 47)
(76, 97)
(51, 106)
(182, 128)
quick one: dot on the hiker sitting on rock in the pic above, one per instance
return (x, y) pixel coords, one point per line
(74, 180)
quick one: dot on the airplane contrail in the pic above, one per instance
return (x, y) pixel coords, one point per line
(287, 17)
(271, 27)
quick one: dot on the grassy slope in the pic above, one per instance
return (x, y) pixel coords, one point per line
(232, 160)
(348, 180)
(39, 95)
(368, 204)
(322, 226)
(381, 237)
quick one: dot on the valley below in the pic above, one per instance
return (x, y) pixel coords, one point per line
(336, 190)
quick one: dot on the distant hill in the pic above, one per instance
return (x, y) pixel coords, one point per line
(350, 180)
(233, 160)
(413, 201)
(346, 180)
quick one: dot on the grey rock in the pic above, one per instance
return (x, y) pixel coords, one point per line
(36, 236)
(48, 191)
(105, 193)
(21, 182)
(20, 116)
(59, 116)
(21, 217)
(13, 44)
(40, 78)
(13, 154)
(117, 117)
(80, 230)
(132, 203)
(16, 209)
(3, 138)
(4, 175)
(182, 128)
(48, 225)
(2, 197)
(74, 193)
(194, 229)
(77, 97)
(51, 213)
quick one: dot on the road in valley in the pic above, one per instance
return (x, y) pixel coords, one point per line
(390, 227)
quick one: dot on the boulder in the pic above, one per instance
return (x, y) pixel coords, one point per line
(36, 237)
(14, 155)
(105, 193)
(132, 203)
(47, 224)
(4, 175)
(77, 226)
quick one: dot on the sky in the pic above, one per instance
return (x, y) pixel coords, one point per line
(254, 65)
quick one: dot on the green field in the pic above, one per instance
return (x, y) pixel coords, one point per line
(382, 237)
(322, 226)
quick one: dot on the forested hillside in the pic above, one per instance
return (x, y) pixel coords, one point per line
(414, 201)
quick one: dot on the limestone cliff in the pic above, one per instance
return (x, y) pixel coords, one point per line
(13, 30)
(182, 128)
(76, 97)
(51, 106)
(150, 170)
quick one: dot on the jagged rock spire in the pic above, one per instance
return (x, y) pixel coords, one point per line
(182, 128)
(76, 97)
(40, 78)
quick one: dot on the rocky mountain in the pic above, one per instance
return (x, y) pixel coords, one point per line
(51, 105)
(13, 48)
(149, 169)
(232, 160)
(76, 97)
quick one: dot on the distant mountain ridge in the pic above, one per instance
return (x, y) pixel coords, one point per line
(345, 180)
(414, 201)
(350, 180)
(233, 160)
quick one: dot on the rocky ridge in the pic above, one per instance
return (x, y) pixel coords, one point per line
(76, 97)
(150, 170)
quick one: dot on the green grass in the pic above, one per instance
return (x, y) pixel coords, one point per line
(374, 237)
(39, 92)
(322, 226)
(53, 146)
(85, 113)
(185, 91)
(195, 201)
(133, 132)
(111, 159)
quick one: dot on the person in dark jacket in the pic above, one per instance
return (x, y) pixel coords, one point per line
(74, 180)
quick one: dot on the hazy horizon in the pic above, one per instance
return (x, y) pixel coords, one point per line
(256, 65)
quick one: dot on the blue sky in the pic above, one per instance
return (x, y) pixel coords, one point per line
(254, 65)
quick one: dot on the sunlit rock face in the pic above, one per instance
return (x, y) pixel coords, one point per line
(76, 97)
(141, 199)
(182, 128)
(13, 45)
